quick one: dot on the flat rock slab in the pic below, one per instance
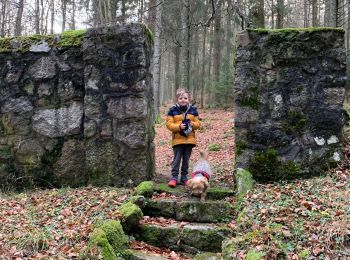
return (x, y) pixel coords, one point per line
(139, 255)
(191, 238)
(190, 210)
(214, 193)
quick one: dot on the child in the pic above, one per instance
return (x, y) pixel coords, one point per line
(182, 120)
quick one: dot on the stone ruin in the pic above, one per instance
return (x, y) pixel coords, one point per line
(77, 111)
(289, 93)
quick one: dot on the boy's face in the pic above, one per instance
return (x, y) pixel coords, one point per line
(183, 100)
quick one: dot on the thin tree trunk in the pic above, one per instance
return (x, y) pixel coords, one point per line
(123, 12)
(37, 16)
(203, 68)
(216, 53)
(186, 44)
(18, 28)
(52, 16)
(306, 19)
(314, 13)
(73, 14)
(157, 56)
(64, 12)
(280, 13)
(272, 15)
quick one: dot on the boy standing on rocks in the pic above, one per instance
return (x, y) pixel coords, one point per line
(182, 120)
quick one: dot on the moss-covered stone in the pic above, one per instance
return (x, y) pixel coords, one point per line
(138, 200)
(71, 38)
(294, 122)
(254, 255)
(244, 182)
(164, 208)
(240, 146)
(160, 236)
(228, 249)
(149, 33)
(131, 215)
(265, 166)
(98, 239)
(145, 189)
(291, 30)
(115, 235)
(23, 43)
(205, 238)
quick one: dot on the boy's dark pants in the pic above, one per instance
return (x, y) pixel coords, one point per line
(181, 151)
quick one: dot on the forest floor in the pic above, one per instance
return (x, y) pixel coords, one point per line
(304, 219)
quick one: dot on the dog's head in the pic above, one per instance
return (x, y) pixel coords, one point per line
(198, 186)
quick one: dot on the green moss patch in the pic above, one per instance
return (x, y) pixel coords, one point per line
(115, 235)
(148, 33)
(23, 43)
(266, 166)
(294, 122)
(131, 215)
(98, 241)
(145, 189)
(244, 180)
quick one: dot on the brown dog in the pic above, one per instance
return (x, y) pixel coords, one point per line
(199, 182)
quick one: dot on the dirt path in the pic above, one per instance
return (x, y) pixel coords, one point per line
(217, 136)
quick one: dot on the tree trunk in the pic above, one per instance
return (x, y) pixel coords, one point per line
(64, 12)
(52, 16)
(186, 44)
(216, 53)
(123, 12)
(280, 13)
(256, 13)
(272, 15)
(306, 18)
(314, 13)
(203, 69)
(157, 56)
(73, 15)
(3, 17)
(37, 16)
(18, 28)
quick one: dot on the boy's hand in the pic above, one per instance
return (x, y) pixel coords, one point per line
(191, 123)
(182, 126)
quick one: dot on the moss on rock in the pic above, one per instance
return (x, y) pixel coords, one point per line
(98, 239)
(115, 235)
(244, 180)
(131, 215)
(266, 166)
(145, 189)
(23, 43)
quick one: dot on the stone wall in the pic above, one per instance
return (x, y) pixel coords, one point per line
(289, 92)
(79, 113)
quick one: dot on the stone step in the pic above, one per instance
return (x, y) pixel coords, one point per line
(140, 255)
(214, 193)
(190, 210)
(186, 237)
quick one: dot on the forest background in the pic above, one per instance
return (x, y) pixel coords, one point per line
(194, 40)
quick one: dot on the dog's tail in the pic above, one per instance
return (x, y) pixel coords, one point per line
(203, 154)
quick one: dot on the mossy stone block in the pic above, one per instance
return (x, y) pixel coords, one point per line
(208, 211)
(160, 236)
(205, 237)
(98, 238)
(217, 193)
(131, 215)
(138, 200)
(164, 208)
(244, 181)
(145, 189)
(115, 235)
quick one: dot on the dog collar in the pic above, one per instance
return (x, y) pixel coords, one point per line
(206, 175)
